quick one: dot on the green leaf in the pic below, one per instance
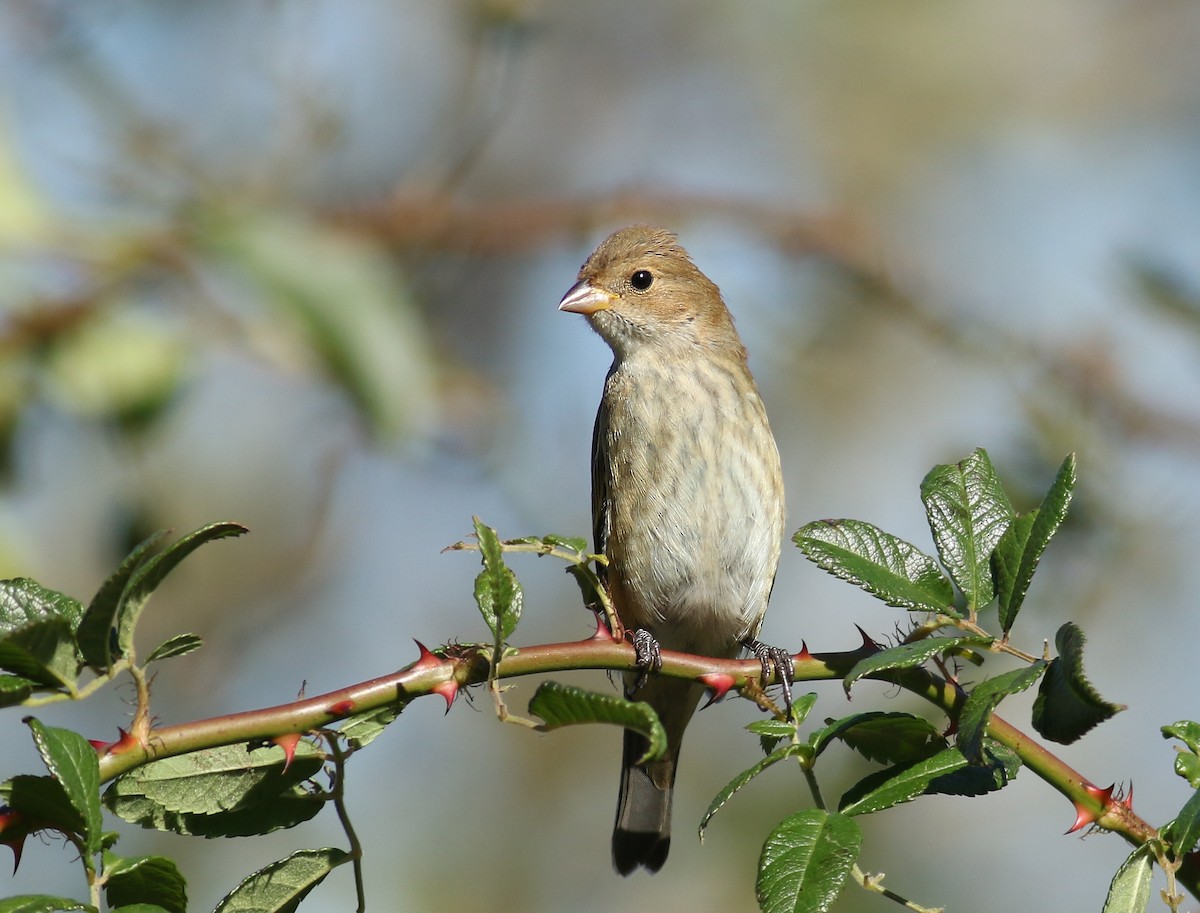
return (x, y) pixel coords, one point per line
(968, 513)
(220, 792)
(906, 656)
(997, 767)
(72, 761)
(983, 699)
(564, 705)
(888, 738)
(14, 689)
(771, 731)
(43, 652)
(95, 630)
(899, 784)
(146, 578)
(806, 861)
(1187, 732)
(1184, 830)
(362, 729)
(280, 886)
(179, 645)
(1020, 548)
(1067, 705)
(44, 800)
(1130, 888)
(25, 602)
(41, 903)
(575, 543)
(1188, 767)
(145, 880)
(37, 633)
(497, 591)
(888, 568)
(742, 779)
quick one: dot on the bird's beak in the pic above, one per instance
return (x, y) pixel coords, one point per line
(584, 298)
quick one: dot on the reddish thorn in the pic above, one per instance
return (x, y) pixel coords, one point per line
(18, 847)
(717, 682)
(448, 690)
(428, 659)
(288, 743)
(602, 630)
(8, 819)
(1128, 800)
(803, 655)
(1085, 816)
(340, 708)
(125, 742)
(867, 641)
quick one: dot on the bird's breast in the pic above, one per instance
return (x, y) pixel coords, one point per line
(695, 503)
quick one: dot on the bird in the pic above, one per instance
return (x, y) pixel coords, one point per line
(687, 496)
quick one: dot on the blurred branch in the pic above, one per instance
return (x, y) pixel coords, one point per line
(440, 222)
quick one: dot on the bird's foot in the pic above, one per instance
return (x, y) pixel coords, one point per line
(778, 661)
(648, 654)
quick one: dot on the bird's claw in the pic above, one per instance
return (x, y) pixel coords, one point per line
(648, 654)
(778, 661)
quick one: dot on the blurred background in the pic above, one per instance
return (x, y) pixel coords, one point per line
(296, 264)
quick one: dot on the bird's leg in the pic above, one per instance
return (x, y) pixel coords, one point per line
(649, 656)
(777, 660)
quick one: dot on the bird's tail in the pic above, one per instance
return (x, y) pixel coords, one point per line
(642, 833)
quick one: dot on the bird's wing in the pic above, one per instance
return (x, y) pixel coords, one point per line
(601, 482)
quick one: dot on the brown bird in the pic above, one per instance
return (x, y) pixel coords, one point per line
(687, 495)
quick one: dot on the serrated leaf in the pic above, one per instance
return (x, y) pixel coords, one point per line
(1130, 888)
(179, 645)
(887, 738)
(906, 656)
(1020, 548)
(225, 791)
(146, 578)
(984, 698)
(805, 862)
(497, 592)
(887, 567)
(564, 705)
(72, 761)
(41, 903)
(1183, 831)
(152, 880)
(280, 886)
(901, 783)
(362, 729)
(1067, 705)
(744, 778)
(95, 629)
(968, 513)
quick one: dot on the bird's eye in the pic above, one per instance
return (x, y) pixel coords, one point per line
(641, 280)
